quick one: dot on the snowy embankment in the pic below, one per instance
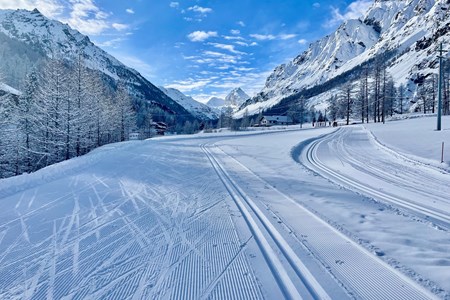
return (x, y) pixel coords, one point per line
(417, 138)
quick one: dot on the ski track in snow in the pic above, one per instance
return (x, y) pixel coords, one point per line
(183, 219)
(339, 254)
(370, 169)
(123, 232)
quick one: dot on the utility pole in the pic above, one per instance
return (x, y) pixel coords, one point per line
(439, 108)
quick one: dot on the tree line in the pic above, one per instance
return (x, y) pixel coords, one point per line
(374, 97)
(65, 110)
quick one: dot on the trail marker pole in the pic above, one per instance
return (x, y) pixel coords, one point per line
(442, 153)
(439, 108)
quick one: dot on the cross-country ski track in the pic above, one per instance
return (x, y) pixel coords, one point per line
(217, 217)
(360, 163)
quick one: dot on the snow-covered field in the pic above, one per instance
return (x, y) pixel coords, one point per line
(312, 213)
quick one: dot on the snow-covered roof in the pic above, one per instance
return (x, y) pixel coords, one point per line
(284, 119)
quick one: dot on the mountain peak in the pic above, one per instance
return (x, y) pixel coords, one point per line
(236, 97)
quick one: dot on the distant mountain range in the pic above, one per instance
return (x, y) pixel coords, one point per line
(235, 98)
(29, 38)
(197, 109)
(403, 32)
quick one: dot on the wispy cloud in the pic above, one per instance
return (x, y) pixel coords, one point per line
(316, 4)
(244, 44)
(87, 17)
(286, 36)
(130, 11)
(235, 31)
(119, 26)
(50, 8)
(112, 43)
(201, 10)
(241, 23)
(302, 41)
(355, 10)
(174, 4)
(200, 36)
(234, 37)
(263, 37)
(271, 37)
(227, 47)
(189, 84)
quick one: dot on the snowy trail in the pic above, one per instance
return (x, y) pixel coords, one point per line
(242, 201)
(351, 157)
(172, 219)
(362, 273)
(148, 221)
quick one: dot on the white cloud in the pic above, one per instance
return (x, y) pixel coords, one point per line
(82, 15)
(87, 18)
(49, 8)
(226, 47)
(302, 41)
(222, 57)
(286, 36)
(113, 43)
(119, 26)
(130, 11)
(355, 10)
(235, 31)
(233, 37)
(271, 37)
(316, 5)
(201, 10)
(263, 37)
(241, 23)
(174, 4)
(200, 36)
(188, 85)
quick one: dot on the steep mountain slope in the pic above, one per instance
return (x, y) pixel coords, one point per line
(40, 38)
(406, 32)
(197, 109)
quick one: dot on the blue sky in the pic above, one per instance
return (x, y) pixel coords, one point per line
(202, 47)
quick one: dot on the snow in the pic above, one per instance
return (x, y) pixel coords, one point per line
(257, 214)
(417, 138)
(8, 89)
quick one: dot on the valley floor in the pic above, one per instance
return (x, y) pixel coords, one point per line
(313, 214)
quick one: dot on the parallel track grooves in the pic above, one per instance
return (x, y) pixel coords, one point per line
(270, 254)
(315, 162)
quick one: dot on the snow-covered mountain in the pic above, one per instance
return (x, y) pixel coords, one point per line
(236, 97)
(216, 102)
(42, 38)
(406, 30)
(199, 110)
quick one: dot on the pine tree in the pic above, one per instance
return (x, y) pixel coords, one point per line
(125, 112)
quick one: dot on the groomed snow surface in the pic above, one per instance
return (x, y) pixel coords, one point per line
(318, 213)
